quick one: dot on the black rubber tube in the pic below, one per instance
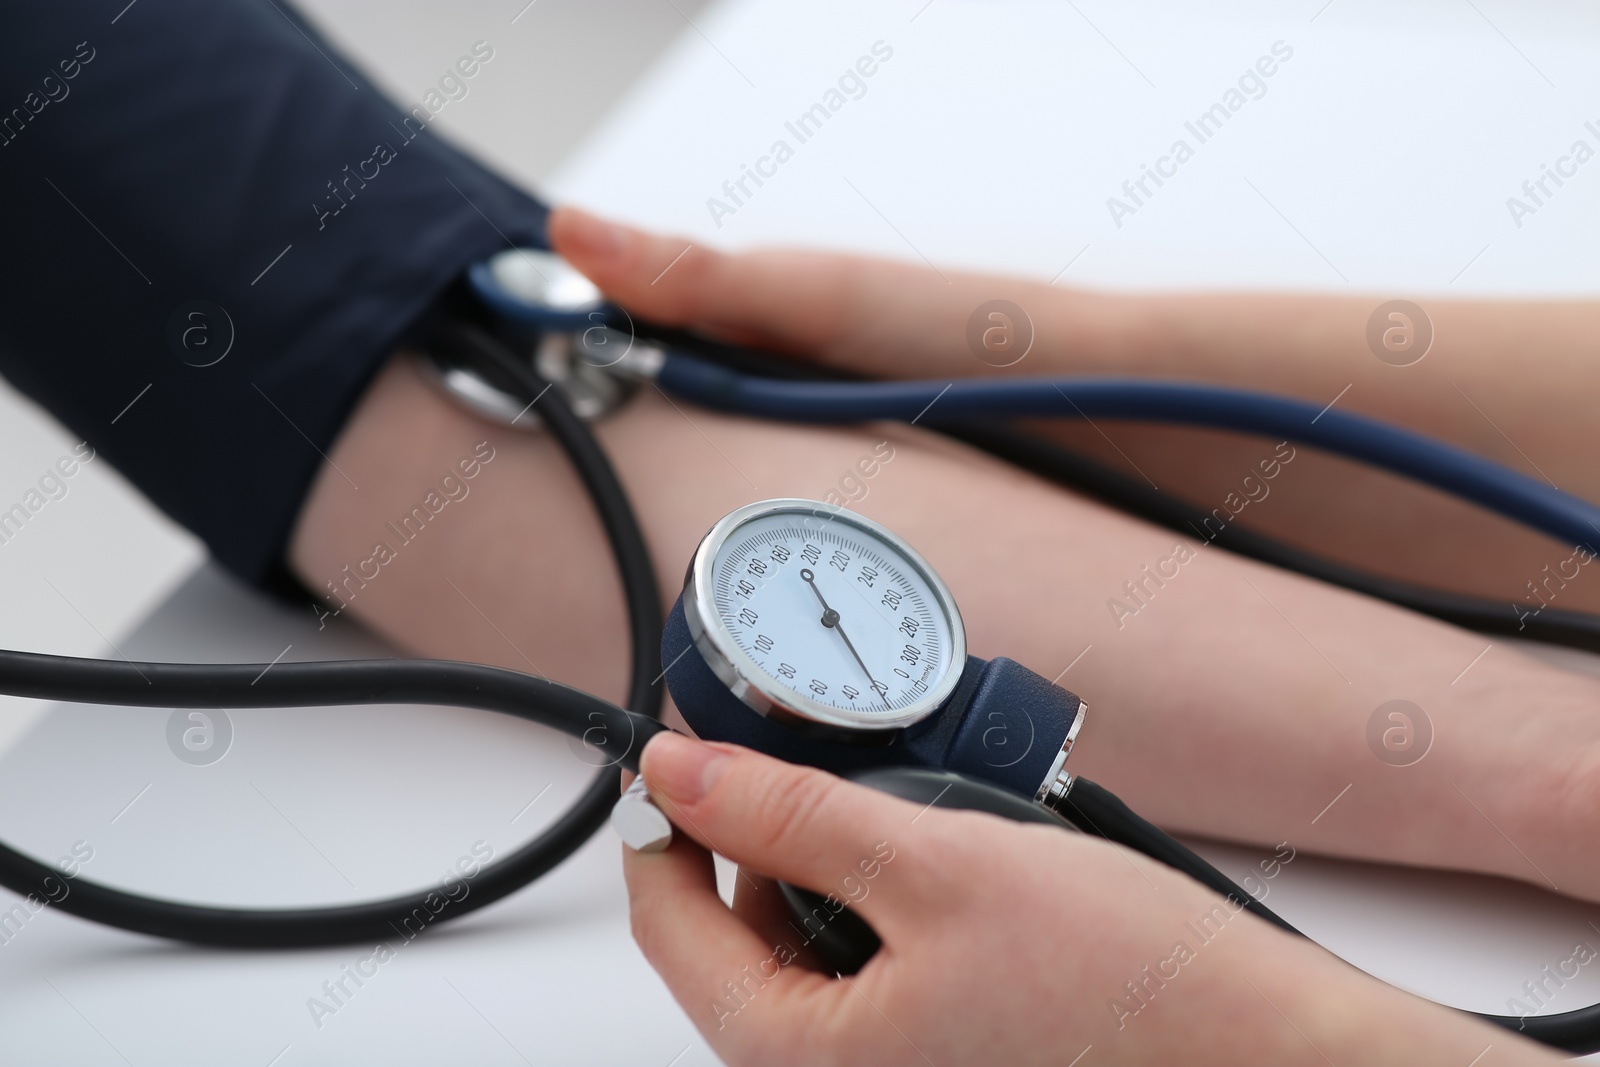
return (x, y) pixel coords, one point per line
(628, 549)
(348, 682)
(1096, 810)
(382, 682)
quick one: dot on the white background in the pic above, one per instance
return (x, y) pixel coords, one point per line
(1379, 160)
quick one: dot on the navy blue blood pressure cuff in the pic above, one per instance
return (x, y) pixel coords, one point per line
(215, 231)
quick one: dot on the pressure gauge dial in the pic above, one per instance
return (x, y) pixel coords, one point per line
(816, 616)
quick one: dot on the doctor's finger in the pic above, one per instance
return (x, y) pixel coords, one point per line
(802, 826)
(873, 316)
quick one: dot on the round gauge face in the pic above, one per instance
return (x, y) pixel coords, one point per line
(817, 613)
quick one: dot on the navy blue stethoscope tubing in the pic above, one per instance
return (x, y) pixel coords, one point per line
(1456, 471)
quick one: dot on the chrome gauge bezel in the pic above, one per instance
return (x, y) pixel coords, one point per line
(763, 693)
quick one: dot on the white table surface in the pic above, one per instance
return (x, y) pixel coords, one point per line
(1378, 161)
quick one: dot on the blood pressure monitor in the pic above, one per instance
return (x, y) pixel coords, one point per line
(826, 622)
(816, 635)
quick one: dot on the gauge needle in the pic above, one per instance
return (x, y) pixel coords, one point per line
(830, 619)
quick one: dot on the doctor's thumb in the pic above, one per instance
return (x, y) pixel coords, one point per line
(789, 822)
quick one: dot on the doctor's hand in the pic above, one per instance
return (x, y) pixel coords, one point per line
(1003, 943)
(885, 319)
(866, 316)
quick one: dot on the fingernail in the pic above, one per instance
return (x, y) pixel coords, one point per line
(682, 768)
(594, 237)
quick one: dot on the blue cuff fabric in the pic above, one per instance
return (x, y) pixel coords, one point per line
(216, 232)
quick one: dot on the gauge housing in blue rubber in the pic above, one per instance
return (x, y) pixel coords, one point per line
(1003, 723)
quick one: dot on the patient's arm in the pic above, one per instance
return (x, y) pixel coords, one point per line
(1235, 702)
